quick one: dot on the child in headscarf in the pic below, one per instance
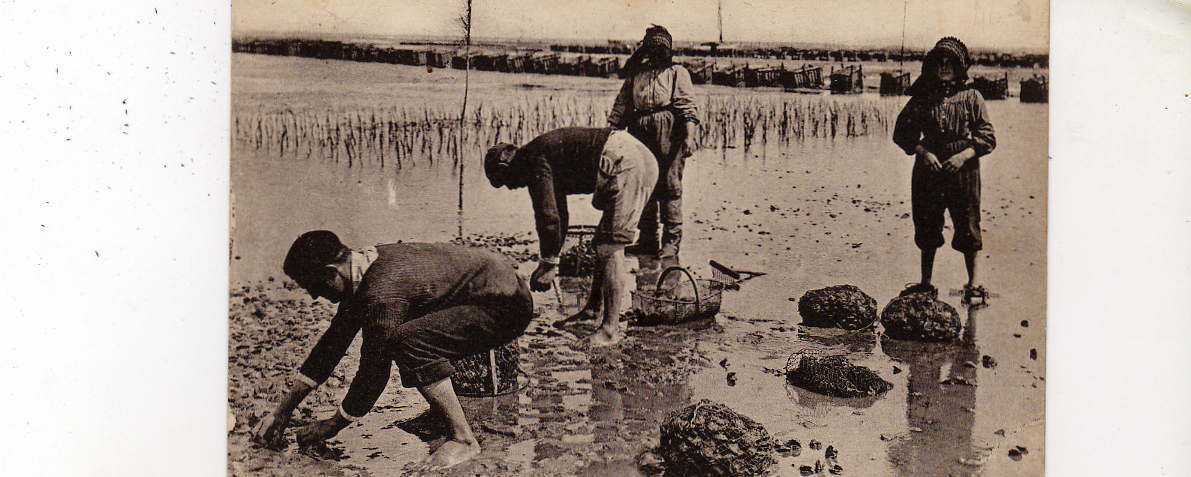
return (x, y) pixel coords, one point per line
(945, 125)
(657, 107)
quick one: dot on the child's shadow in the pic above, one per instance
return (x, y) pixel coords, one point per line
(427, 426)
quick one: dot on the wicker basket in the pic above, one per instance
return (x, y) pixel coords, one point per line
(578, 257)
(487, 374)
(661, 305)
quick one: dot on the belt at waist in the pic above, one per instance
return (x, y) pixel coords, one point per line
(947, 149)
(638, 114)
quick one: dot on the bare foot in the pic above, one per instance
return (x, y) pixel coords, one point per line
(452, 453)
(603, 337)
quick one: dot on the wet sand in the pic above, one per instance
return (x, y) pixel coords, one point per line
(811, 214)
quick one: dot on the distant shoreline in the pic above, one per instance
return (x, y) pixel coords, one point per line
(757, 50)
(445, 40)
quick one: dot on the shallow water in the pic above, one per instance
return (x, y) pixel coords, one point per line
(810, 214)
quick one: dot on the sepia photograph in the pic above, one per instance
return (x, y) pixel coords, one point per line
(638, 238)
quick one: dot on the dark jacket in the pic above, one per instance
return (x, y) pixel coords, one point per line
(946, 124)
(556, 164)
(405, 281)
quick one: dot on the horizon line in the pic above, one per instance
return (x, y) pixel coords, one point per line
(605, 41)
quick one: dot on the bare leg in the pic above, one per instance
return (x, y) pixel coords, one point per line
(462, 444)
(595, 300)
(928, 265)
(970, 263)
(591, 310)
(612, 289)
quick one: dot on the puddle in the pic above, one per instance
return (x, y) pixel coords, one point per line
(794, 211)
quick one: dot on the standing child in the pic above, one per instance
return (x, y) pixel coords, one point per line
(655, 104)
(945, 125)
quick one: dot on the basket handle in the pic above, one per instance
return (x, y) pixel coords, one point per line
(492, 372)
(694, 284)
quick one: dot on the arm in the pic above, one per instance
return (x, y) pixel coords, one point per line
(564, 216)
(684, 102)
(366, 387)
(907, 133)
(331, 347)
(550, 215)
(548, 211)
(623, 104)
(684, 97)
(984, 139)
(269, 430)
(318, 367)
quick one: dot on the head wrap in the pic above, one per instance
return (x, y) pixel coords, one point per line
(657, 43)
(657, 35)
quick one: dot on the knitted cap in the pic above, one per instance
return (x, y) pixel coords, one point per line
(950, 46)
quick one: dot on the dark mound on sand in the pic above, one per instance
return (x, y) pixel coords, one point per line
(472, 376)
(920, 317)
(835, 376)
(710, 439)
(577, 261)
(840, 306)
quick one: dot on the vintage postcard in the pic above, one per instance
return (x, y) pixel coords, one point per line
(606, 238)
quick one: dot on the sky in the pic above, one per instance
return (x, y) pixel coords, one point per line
(1006, 25)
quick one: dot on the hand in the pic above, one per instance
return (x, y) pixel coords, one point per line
(954, 163)
(270, 431)
(690, 145)
(928, 159)
(319, 431)
(543, 277)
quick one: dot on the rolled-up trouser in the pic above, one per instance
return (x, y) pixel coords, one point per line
(658, 131)
(424, 347)
(627, 175)
(933, 192)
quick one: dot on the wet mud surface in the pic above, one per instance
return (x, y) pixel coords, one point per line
(810, 215)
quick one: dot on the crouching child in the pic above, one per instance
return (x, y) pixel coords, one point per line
(420, 306)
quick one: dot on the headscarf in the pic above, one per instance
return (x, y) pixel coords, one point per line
(950, 48)
(657, 40)
(657, 35)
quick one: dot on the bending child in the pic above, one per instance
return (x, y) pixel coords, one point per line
(617, 170)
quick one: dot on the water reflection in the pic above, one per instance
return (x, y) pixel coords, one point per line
(940, 404)
(819, 405)
(633, 388)
(861, 343)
